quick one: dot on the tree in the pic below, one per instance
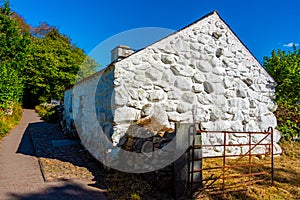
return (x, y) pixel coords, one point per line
(285, 69)
(53, 66)
(37, 64)
(13, 51)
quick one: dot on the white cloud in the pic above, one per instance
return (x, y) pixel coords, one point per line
(291, 44)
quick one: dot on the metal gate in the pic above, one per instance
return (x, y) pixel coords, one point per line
(229, 171)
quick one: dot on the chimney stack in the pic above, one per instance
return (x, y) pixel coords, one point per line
(120, 52)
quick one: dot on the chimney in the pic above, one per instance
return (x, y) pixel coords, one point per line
(120, 52)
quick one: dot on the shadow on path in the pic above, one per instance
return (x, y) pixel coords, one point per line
(40, 140)
(26, 146)
(69, 190)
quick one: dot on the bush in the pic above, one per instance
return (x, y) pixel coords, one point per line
(48, 112)
(288, 118)
(7, 122)
(284, 67)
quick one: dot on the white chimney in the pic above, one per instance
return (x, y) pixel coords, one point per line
(120, 52)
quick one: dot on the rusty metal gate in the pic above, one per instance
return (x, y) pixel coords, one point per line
(231, 171)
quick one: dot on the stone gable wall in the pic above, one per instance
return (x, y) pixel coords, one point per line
(202, 73)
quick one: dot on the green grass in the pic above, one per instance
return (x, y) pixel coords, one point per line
(7, 122)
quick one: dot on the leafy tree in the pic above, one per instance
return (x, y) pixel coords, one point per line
(25, 28)
(37, 63)
(285, 69)
(13, 52)
(53, 66)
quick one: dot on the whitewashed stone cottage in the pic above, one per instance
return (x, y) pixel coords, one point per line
(201, 73)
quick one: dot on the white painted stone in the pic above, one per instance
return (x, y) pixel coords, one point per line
(182, 46)
(188, 97)
(135, 104)
(121, 97)
(209, 126)
(142, 94)
(174, 95)
(133, 93)
(237, 126)
(143, 66)
(201, 114)
(126, 114)
(253, 94)
(277, 149)
(168, 76)
(182, 70)
(184, 107)
(242, 68)
(218, 100)
(197, 88)
(215, 114)
(228, 82)
(213, 78)
(226, 116)
(204, 66)
(158, 65)
(234, 102)
(238, 116)
(204, 99)
(183, 83)
(153, 74)
(267, 120)
(240, 92)
(147, 85)
(219, 89)
(231, 73)
(276, 135)
(199, 77)
(174, 116)
(157, 95)
(167, 59)
(187, 117)
(162, 84)
(194, 46)
(209, 49)
(229, 94)
(139, 77)
(219, 71)
(169, 106)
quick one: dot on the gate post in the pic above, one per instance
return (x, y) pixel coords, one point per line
(184, 135)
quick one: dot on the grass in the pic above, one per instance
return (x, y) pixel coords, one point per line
(7, 122)
(286, 179)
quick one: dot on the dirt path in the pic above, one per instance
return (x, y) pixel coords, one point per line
(20, 175)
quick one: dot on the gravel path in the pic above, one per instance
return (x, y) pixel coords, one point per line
(20, 174)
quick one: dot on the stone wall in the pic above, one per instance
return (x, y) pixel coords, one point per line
(202, 73)
(90, 101)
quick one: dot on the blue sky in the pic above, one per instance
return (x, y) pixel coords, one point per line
(262, 25)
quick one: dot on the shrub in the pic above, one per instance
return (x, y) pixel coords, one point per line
(288, 118)
(7, 122)
(47, 112)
